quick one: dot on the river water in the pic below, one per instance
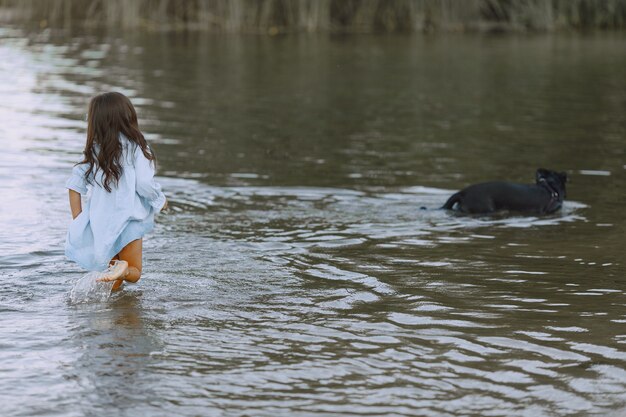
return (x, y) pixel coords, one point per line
(295, 273)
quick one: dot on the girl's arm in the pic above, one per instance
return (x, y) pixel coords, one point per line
(75, 204)
(77, 185)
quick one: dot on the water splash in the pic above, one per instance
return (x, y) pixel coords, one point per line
(88, 290)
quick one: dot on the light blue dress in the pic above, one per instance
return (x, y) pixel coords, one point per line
(111, 220)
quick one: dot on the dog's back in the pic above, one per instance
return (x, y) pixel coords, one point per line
(489, 197)
(544, 197)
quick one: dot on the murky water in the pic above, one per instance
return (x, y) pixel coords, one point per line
(295, 273)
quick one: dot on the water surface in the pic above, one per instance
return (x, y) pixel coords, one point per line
(295, 273)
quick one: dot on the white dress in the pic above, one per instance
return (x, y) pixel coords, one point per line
(111, 220)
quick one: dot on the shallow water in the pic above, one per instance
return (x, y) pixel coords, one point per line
(295, 273)
(89, 290)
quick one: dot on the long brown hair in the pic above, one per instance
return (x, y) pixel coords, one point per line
(111, 114)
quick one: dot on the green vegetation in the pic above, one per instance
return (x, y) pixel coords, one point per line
(276, 16)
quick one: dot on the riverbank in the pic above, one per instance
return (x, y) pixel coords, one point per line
(340, 16)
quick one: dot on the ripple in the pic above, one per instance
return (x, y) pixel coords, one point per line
(413, 320)
(333, 273)
(553, 353)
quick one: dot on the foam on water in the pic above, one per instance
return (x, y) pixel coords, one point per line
(88, 290)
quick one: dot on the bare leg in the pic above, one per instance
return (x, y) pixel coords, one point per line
(131, 254)
(128, 267)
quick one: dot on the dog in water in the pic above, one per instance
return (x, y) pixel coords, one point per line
(543, 197)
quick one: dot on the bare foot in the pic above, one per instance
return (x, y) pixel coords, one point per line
(117, 271)
(118, 285)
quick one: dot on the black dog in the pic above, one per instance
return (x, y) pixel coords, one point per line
(546, 196)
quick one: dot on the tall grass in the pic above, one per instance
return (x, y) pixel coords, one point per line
(276, 16)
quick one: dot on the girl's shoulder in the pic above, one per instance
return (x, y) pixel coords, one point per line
(128, 149)
(124, 141)
(128, 143)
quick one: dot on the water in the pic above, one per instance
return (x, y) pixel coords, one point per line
(295, 273)
(89, 290)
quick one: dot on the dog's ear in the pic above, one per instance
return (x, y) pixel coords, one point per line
(563, 176)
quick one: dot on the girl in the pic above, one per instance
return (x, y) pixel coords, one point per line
(116, 174)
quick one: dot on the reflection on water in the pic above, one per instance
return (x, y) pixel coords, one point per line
(113, 345)
(296, 273)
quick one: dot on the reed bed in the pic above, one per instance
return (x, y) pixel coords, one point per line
(277, 16)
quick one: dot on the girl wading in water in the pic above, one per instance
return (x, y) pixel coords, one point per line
(117, 177)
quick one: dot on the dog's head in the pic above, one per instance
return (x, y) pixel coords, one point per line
(556, 180)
